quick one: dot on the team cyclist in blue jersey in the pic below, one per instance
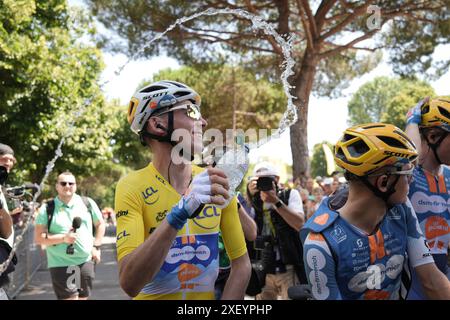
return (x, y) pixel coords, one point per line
(428, 125)
(356, 243)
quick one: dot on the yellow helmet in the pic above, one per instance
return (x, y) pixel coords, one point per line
(436, 113)
(365, 148)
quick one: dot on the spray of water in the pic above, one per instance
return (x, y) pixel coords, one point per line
(258, 23)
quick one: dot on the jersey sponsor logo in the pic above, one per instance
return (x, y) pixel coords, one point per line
(359, 243)
(423, 203)
(121, 213)
(188, 253)
(338, 234)
(149, 195)
(160, 179)
(160, 216)
(394, 214)
(316, 261)
(373, 277)
(122, 235)
(398, 154)
(206, 219)
(435, 227)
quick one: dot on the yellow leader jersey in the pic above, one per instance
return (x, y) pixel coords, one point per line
(142, 201)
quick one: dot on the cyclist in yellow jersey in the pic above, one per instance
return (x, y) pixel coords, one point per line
(167, 219)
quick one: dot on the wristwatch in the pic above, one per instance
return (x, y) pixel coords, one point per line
(97, 247)
(279, 204)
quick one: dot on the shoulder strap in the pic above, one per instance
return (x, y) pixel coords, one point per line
(50, 211)
(285, 196)
(89, 207)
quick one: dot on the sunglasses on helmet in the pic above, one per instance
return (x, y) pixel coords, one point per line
(192, 111)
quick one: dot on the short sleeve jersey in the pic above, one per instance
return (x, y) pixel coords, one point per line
(143, 200)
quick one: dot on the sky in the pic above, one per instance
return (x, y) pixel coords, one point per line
(327, 118)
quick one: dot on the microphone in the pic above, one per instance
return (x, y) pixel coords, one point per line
(76, 223)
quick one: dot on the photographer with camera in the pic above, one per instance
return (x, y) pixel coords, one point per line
(72, 229)
(7, 161)
(279, 217)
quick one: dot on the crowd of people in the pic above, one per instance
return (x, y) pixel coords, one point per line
(378, 229)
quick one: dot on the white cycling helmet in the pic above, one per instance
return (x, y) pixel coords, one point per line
(157, 97)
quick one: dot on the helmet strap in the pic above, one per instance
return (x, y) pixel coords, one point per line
(167, 138)
(382, 195)
(434, 146)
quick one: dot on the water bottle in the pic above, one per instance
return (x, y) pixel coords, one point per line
(234, 163)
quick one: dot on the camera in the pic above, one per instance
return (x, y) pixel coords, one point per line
(265, 183)
(261, 242)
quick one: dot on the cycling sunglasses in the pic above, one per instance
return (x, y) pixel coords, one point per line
(407, 173)
(64, 183)
(192, 111)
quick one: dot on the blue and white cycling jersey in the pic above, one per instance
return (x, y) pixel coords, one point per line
(343, 262)
(430, 198)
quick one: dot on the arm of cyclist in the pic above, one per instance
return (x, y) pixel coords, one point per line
(248, 224)
(320, 268)
(413, 120)
(145, 258)
(236, 248)
(238, 279)
(434, 282)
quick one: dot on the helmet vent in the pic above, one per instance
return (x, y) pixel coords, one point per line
(374, 126)
(392, 142)
(179, 85)
(358, 148)
(444, 112)
(340, 154)
(347, 137)
(152, 88)
(181, 94)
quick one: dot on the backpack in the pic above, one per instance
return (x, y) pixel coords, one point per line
(51, 211)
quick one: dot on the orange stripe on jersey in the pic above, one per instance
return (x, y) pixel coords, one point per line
(191, 239)
(432, 186)
(380, 245)
(315, 236)
(442, 186)
(373, 248)
(376, 245)
(376, 295)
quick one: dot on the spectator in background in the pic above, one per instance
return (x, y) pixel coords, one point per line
(310, 185)
(69, 249)
(279, 216)
(7, 161)
(326, 186)
(334, 185)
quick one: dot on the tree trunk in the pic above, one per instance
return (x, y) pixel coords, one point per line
(298, 131)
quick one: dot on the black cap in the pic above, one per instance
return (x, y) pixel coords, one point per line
(5, 149)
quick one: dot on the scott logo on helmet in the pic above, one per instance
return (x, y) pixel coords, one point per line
(398, 154)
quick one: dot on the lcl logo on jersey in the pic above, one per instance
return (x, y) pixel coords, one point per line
(206, 219)
(149, 196)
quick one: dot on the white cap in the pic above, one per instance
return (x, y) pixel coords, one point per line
(264, 169)
(342, 180)
(328, 181)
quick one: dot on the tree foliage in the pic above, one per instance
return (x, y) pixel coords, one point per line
(386, 99)
(46, 76)
(329, 33)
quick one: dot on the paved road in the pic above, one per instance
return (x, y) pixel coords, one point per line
(105, 287)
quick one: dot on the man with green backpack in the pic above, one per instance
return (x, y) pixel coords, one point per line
(72, 228)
